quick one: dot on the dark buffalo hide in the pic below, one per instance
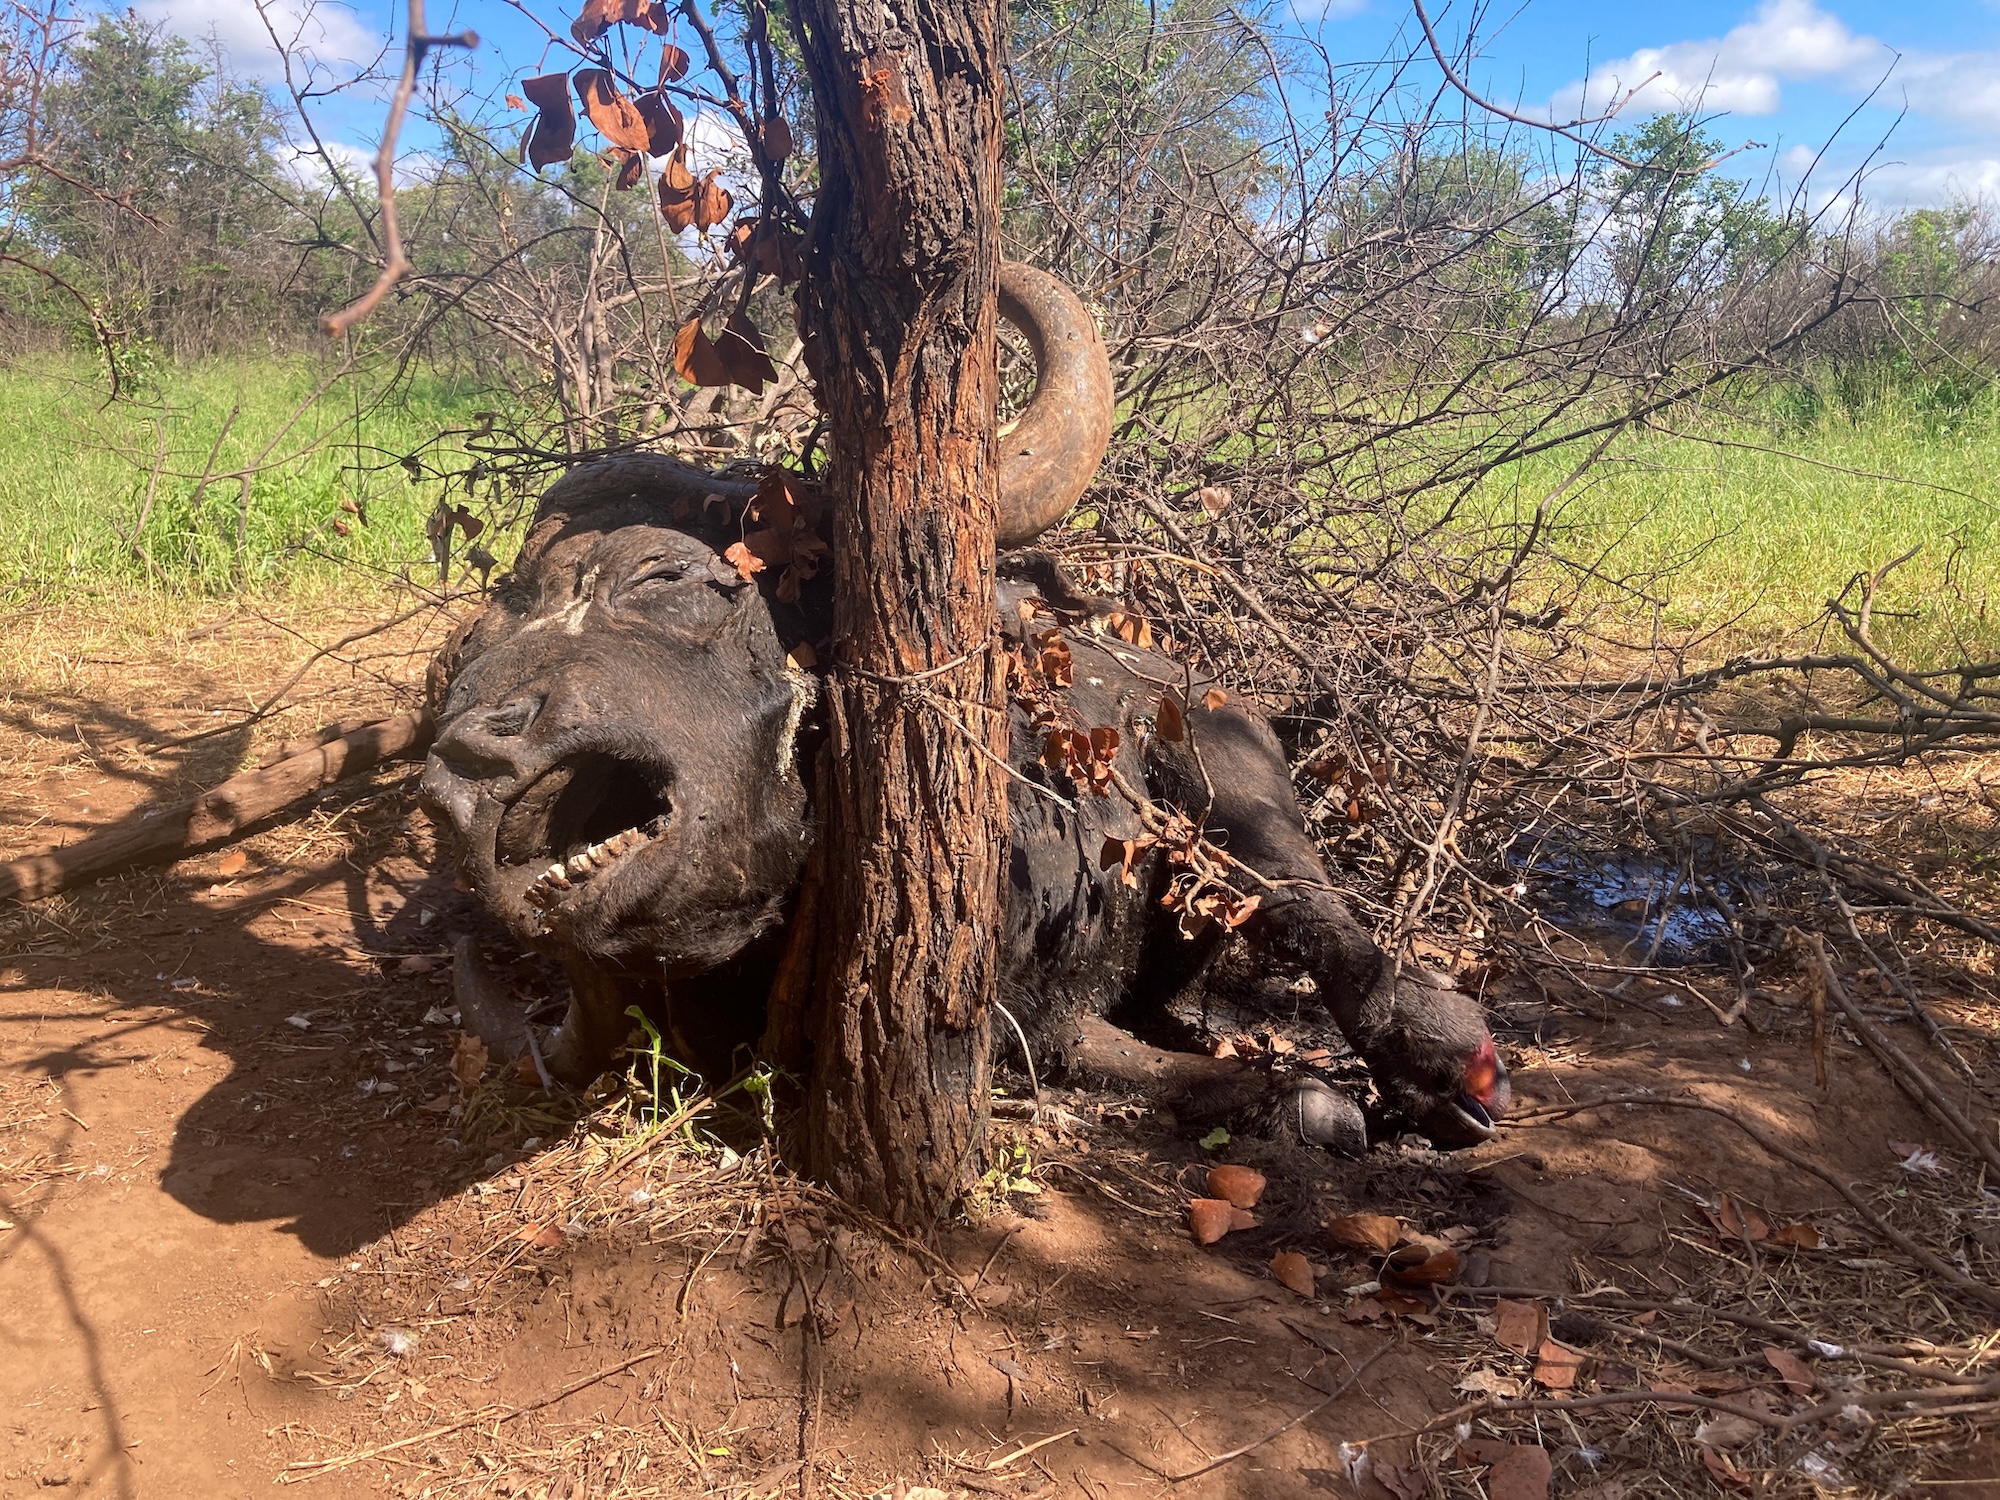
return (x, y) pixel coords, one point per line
(623, 766)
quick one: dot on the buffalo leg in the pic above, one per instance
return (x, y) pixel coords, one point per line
(1221, 1091)
(1426, 1045)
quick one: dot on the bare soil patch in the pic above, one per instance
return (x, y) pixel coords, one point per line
(257, 1232)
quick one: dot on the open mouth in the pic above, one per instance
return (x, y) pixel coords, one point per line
(580, 819)
(1475, 1114)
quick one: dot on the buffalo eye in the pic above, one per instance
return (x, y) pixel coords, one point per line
(662, 570)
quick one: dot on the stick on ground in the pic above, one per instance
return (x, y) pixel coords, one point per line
(159, 835)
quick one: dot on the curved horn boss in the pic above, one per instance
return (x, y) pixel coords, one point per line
(1050, 454)
(1047, 458)
(623, 766)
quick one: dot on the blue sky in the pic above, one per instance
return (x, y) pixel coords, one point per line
(1782, 72)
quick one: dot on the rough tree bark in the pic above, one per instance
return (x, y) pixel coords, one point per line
(898, 310)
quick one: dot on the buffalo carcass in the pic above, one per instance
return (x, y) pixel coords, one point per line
(623, 765)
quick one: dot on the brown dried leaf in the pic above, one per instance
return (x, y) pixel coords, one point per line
(542, 1236)
(1103, 759)
(1484, 1382)
(664, 125)
(1391, 1305)
(515, 101)
(232, 863)
(1241, 1218)
(777, 138)
(1055, 660)
(1402, 1481)
(674, 64)
(1419, 1265)
(1796, 1237)
(468, 1061)
(1128, 851)
(1169, 720)
(1213, 699)
(677, 191)
(1376, 1232)
(599, 16)
(1328, 767)
(1293, 1272)
(744, 361)
(616, 117)
(1520, 1326)
(1722, 1470)
(1558, 1367)
(1718, 1382)
(1616, 1375)
(1521, 1473)
(1737, 1221)
(553, 135)
(746, 562)
(631, 169)
(1238, 912)
(1215, 498)
(1242, 1186)
(1727, 1430)
(1209, 1219)
(695, 358)
(711, 204)
(1796, 1374)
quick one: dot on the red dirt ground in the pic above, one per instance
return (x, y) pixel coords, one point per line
(251, 1229)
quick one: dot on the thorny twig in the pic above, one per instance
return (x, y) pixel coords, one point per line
(417, 44)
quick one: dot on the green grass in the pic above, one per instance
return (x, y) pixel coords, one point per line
(75, 475)
(1727, 538)
(1751, 543)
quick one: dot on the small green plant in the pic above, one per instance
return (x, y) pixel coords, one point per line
(761, 1084)
(670, 1090)
(1010, 1169)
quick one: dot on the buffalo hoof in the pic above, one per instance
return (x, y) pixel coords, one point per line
(1320, 1115)
(1222, 1091)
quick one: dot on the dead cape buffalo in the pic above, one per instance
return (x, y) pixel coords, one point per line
(623, 765)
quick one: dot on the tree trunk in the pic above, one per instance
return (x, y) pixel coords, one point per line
(898, 312)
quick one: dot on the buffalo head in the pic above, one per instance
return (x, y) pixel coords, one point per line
(617, 754)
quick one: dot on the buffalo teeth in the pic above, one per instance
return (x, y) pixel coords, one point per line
(564, 875)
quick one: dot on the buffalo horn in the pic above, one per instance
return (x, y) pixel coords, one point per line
(1050, 454)
(1046, 458)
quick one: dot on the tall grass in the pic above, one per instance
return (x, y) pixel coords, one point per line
(1745, 522)
(97, 496)
(1741, 522)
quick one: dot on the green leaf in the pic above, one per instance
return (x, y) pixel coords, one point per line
(1215, 1139)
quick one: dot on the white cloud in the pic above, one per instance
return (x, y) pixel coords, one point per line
(1928, 183)
(1742, 72)
(308, 167)
(318, 31)
(1957, 85)
(1788, 41)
